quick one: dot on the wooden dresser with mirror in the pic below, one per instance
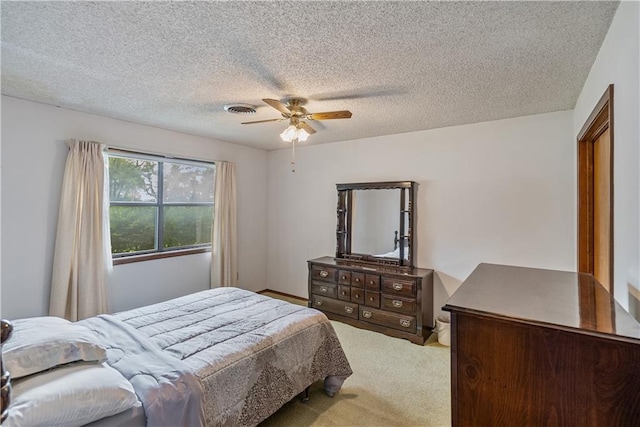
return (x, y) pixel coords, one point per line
(372, 282)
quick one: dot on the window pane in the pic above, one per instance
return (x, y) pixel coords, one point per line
(132, 180)
(187, 225)
(185, 183)
(132, 228)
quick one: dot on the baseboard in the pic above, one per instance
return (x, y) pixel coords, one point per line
(283, 294)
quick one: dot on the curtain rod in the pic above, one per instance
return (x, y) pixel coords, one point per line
(113, 148)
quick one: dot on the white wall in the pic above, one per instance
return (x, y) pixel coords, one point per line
(33, 158)
(499, 192)
(617, 63)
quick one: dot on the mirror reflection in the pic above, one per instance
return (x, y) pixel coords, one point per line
(375, 223)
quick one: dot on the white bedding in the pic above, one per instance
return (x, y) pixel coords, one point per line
(395, 254)
(251, 353)
(132, 417)
(168, 389)
(222, 357)
(41, 343)
(68, 396)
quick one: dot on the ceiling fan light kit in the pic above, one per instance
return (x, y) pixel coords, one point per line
(292, 109)
(298, 130)
(294, 132)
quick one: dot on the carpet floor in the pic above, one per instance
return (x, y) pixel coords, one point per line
(394, 383)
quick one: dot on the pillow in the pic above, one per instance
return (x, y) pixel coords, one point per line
(41, 343)
(71, 395)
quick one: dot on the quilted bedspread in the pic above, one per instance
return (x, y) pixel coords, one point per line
(251, 353)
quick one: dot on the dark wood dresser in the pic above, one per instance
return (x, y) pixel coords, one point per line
(393, 300)
(533, 347)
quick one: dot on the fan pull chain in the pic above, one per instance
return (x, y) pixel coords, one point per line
(293, 154)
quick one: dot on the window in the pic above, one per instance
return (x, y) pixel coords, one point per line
(158, 205)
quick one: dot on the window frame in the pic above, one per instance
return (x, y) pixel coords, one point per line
(160, 252)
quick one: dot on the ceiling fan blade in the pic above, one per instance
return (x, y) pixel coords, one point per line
(263, 121)
(278, 106)
(307, 128)
(363, 92)
(343, 114)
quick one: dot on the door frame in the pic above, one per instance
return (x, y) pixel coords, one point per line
(600, 119)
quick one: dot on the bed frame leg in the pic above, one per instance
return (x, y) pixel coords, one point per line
(305, 395)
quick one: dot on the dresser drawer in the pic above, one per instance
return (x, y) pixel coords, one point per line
(393, 300)
(372, 282)
(401, 305)
(344, 292)
(344, 277)
(390, 320)
(357, 279)
(400, 287)
(326, 274)
(326, 289)
(357, 295)
(334, 306)
(372, 299)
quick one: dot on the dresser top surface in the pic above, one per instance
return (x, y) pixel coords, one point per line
(372, 268)
(553, 298)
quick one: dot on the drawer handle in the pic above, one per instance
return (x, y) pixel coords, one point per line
(371, 298)
(343, 293)
(348, 309)
(397, 303)
(323, 289)
(366, 314)
(344, 277)
(371, 282)
(357, 296)
(324, 273)
(357, 280)
(405, 323)
(398, 286)
(318, 302)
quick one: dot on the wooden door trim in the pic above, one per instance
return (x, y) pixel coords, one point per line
(600, 119)
(604, 105)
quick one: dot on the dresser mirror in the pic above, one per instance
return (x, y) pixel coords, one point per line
(375, 222)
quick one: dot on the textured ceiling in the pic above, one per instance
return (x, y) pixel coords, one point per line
(397, 66)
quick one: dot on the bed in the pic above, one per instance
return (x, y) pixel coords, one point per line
(221, 357)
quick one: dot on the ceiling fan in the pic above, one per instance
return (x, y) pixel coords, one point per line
(292, 109)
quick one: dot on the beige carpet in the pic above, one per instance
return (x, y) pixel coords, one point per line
(394, 383)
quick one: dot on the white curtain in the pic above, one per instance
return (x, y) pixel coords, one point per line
(224, 271)
(82, 255)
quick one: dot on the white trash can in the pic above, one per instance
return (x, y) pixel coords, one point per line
(443, 329)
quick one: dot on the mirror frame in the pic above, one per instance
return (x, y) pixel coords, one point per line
(407, 221)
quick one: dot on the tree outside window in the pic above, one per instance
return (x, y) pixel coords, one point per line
(158, 205)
